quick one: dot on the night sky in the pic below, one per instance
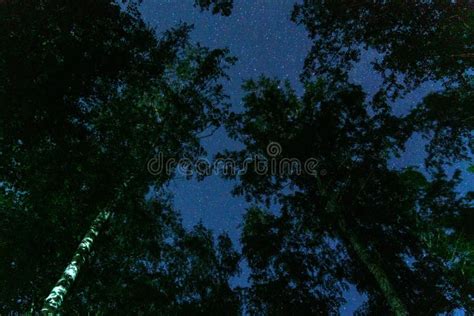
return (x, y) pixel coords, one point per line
(265, 41)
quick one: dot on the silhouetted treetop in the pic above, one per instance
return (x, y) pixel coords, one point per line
(412, 41)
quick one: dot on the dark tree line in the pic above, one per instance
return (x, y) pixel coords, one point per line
(402, 237)
(89, 93)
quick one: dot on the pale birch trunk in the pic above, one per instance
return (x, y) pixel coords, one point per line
(54, 300)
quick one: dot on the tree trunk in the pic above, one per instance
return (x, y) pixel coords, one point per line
(376, 270)
(54, 300)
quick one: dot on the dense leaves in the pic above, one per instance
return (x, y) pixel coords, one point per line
(223, 7)
(358, 221)
(413, 41)
(402, 237)
(447, 119)
(89, 94)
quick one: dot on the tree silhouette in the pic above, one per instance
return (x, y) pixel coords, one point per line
(358, 220)
(414, 41)
(223, 7)
(353, 139)
(89, 94)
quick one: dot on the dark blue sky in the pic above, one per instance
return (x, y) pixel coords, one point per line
(261, 35)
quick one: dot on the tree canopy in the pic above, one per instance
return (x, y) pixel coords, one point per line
(357, 221)
(403, 237)
(89, 93)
